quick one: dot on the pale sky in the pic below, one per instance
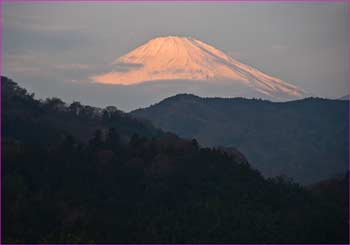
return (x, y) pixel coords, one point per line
(53, 48)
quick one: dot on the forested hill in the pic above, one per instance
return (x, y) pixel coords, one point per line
(37, 121)
(58, 186)
(306, 139)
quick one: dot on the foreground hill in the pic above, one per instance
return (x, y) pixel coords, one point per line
(35, 121)
(155, 188)
(304, 139)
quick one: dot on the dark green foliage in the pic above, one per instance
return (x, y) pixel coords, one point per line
(24, 116)
(148, 189)
(95, 193)
(292, 138)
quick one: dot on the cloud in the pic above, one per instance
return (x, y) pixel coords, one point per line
(17, 19)
(35, 64)
(66, 67)
(54, 28)
(22, 63)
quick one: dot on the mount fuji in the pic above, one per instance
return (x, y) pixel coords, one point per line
(188, 59)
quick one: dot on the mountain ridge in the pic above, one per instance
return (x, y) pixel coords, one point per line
(291, 138)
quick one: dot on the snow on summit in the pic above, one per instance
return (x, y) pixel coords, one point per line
(185, 58)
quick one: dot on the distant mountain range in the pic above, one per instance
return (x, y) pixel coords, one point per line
(187, 59)
(305, 139)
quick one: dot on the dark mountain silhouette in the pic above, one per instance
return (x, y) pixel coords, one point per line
(24, 117)
(305, 139)
(150, 187)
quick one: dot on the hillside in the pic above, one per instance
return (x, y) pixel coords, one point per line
(33, 121)
(151, 187)
(304, 139)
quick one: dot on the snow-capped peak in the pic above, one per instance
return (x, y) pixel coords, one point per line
(186, 58)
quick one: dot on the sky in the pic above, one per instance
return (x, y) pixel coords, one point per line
(53, 49)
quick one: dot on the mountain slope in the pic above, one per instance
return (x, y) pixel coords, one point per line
(35, 121)
(154, 189)
(182, 58)
(345, 97)
(305, 139)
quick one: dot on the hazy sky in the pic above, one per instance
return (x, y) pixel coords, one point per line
(53, 48)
